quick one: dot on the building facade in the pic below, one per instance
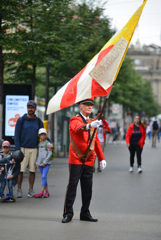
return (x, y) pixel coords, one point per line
(147, 61)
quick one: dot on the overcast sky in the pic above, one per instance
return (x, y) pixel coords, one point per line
(149, 28)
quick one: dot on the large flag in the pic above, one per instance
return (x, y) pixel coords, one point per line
(97, 77)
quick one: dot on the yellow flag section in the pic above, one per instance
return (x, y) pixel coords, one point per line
(106, 71)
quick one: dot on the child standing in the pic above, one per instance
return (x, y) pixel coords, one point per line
(13, 169)
(43, 162)
(5, 149)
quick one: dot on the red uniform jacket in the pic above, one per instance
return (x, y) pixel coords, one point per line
(129, 134)
(105, 127)
(80, 135)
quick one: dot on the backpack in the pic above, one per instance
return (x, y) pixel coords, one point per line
(53, 151)
(155, 125)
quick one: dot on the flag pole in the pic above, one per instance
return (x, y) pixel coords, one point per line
(99, 117)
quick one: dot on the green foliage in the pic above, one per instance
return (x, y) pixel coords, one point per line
(132, 91)
(10, 15)
(148, 102)
(63, 36)
(86, 31)
(37, 39)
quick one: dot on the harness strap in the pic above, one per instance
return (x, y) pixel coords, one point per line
(78, 152)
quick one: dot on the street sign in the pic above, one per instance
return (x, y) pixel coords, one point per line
(115, 108)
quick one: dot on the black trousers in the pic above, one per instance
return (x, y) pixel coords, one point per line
(85, 174)
(135, 149)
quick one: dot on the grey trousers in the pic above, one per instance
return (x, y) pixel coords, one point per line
(154, 137)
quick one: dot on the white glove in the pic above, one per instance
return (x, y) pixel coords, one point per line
(103, 164)
(96, 123)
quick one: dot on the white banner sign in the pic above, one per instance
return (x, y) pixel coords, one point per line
(15, 107)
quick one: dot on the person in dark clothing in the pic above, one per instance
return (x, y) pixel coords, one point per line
(155, 129)
(10, 175)
(26, 139)
(135, 140)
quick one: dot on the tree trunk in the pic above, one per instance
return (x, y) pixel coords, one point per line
(108, 107)
(33, 80)
(55, 134)
(34, 64)
(47, 91)
(55, 131)
(124, 114)
(1, 85)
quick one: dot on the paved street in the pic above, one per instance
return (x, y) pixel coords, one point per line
(127, 205)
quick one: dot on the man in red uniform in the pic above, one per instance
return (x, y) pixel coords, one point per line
(81, 128)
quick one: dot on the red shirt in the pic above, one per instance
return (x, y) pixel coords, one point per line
(129, 134)
(80, 135)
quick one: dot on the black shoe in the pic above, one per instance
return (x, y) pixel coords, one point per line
(66, 219)
(88, 218)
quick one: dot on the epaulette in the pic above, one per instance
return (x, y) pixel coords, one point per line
(91, 119)
(77, 115)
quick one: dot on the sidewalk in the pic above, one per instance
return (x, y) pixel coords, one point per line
(127, 205)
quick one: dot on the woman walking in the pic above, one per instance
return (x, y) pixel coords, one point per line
(135, 140)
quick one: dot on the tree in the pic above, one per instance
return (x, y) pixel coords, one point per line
(65, 37)
(39, 41)
(9, 16)
(84, 31)
(148, 103)
(132, 91)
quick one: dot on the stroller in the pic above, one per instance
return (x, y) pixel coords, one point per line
(17, 158)
(6, 197)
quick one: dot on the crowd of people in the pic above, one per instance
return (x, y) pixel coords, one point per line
(28, 130)
(33, 149)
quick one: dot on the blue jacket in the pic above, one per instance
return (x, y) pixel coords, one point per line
(27, 135)
(15, 170)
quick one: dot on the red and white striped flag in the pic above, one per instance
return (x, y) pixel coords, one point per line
(97, 77)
